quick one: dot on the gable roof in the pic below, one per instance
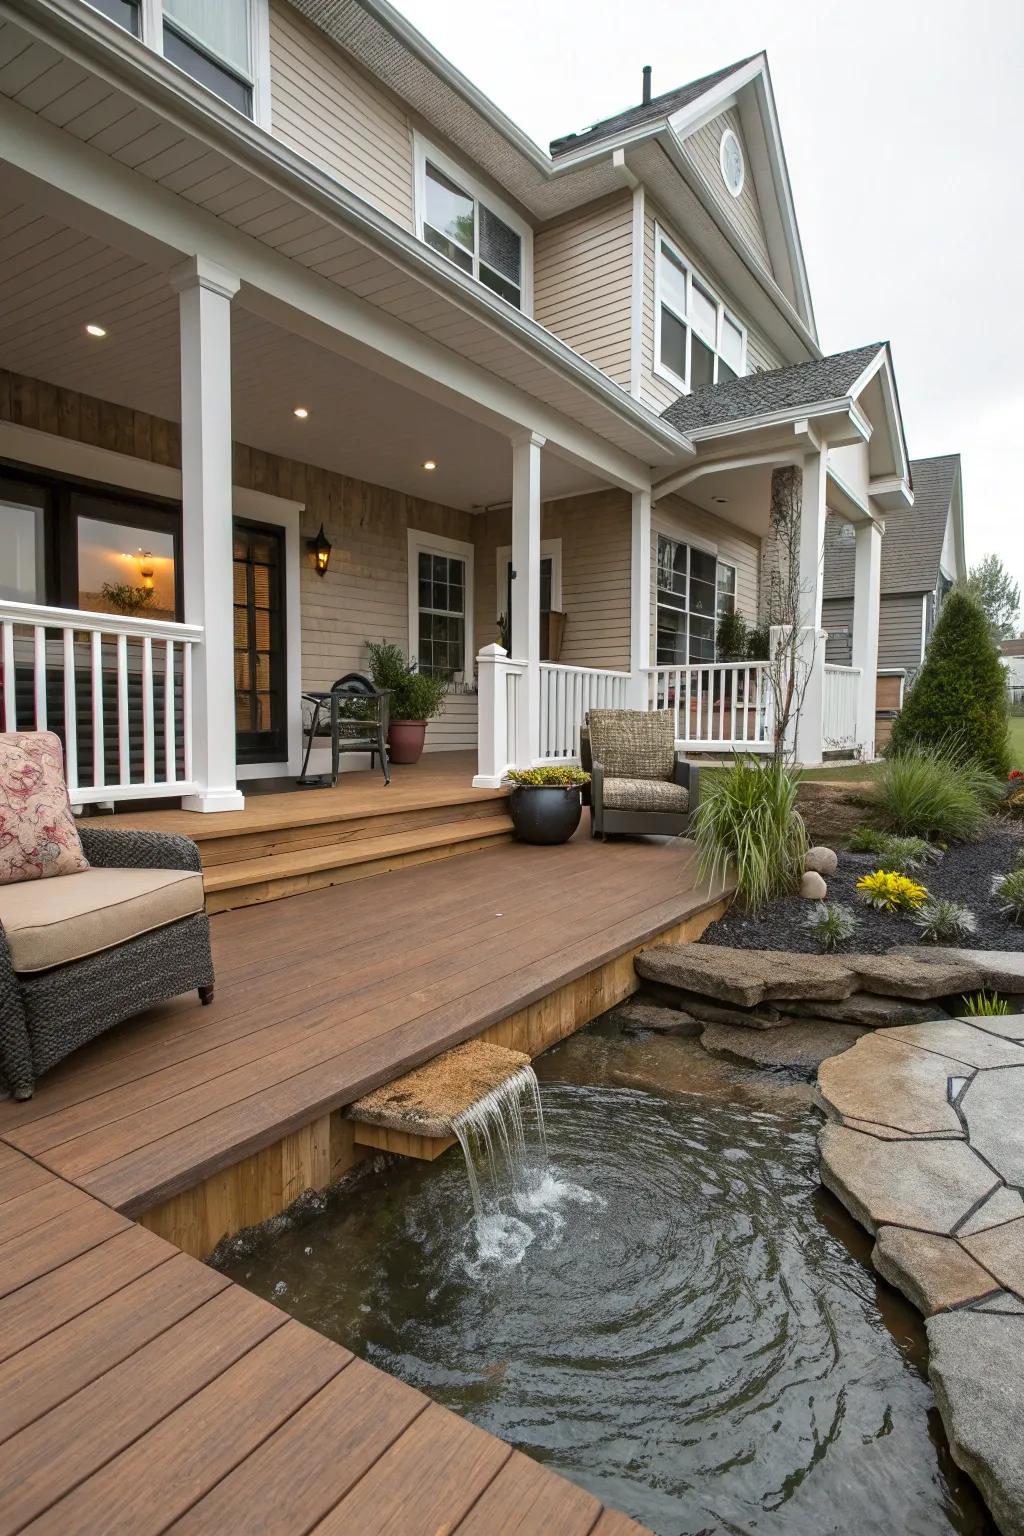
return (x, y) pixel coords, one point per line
(912, 545)
(779, 389)
(659, 106)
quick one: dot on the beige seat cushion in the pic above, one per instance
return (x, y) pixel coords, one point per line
(49, 922)
(633, 743)
(645, 795)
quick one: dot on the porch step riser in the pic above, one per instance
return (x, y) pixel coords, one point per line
(275, 888)
(332, 832)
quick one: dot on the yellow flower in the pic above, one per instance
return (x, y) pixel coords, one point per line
(890, 892)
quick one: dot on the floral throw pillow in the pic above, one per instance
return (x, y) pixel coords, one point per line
(38, 836)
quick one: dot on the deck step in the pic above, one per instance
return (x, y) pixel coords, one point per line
(246, 882)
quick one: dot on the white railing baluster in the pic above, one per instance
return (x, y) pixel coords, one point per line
(124, 768)
(705, 721)
(170, 744)
(10, 681)
(186, 710)
(98, 745)
(39, 676)
(148, 744)
(70, 715)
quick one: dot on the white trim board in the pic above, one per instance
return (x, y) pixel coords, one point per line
(430, 543)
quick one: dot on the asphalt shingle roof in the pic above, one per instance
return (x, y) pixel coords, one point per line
(658, 106)
(914, 536)
(779, 389)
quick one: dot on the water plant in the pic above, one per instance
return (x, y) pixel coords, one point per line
(887, 891)
(748, 816)
(551, 776)
(903, 854)
(944, 922)
(985, 1005)
(1008, 893)
(932, 793)
(832, 924)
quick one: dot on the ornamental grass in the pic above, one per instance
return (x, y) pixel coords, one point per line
(748, 817)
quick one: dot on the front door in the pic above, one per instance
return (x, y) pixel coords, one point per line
(260, 661)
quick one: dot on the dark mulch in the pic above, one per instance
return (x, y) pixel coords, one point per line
(964, 875)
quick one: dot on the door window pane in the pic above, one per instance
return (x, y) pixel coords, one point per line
(259, 643)
(22, 546)
(125, 570)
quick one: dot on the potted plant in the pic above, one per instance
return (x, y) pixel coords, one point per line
(416, 697)
(546, 803)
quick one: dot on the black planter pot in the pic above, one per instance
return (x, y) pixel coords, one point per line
(547, 814)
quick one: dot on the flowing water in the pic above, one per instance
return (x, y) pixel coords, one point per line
(671, 1311)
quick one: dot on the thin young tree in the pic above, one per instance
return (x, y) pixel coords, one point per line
(788, 613)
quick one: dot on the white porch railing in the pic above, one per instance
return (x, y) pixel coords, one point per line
(118, 691)
(839, 723)
(566, 694)
(718, 707)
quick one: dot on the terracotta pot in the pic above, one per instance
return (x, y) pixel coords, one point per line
(545, 813)
(405, 740)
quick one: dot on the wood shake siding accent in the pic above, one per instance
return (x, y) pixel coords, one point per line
(657, 392)
(595, 534)
(679, 519)
(704, 149)
(582, 282)
(325, 109)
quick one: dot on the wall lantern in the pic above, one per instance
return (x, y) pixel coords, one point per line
(321, 547)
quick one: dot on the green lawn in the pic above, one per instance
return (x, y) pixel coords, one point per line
(1017, 741)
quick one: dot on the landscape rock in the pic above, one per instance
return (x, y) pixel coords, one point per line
(746, 976)
(1002, 1205)
(869, 1009)
(795, 1047)
(813, 887)
(928, 1185)
(992, 1105)
(1001, 970)
(889, 1132)
(1008, 1026)
(634, 1017)
(1002, 1301)
(1001, 1251)
(979, 1386)
(958, 1041)
(889, 1084)
(933, 1272)
(711, 1011)
(822, 860)
(913, 975)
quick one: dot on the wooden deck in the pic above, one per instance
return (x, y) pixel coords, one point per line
(140, 1391)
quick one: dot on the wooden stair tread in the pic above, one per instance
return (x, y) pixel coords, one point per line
(277, 866)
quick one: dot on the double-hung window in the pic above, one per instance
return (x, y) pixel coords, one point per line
(473, 229)
(441, 605)
(697, 340)
(695, 590)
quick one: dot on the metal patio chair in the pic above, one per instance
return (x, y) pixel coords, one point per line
(353, 716)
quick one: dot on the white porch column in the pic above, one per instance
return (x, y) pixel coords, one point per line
(866, 606)
(807, 730)
(525, 615)
(640, 597)
(206, 291)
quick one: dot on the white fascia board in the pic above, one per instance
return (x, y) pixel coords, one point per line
(135, 68)
(845, 500)
(881, 364)
(711, 102)
(892, 494)
(777, 160)
(789, 414)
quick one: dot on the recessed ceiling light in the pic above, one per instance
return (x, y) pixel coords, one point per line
(429, 464)
(723, 501)
(301, 412)
(96, 330)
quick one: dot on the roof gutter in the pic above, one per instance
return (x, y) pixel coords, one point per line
(150, 79)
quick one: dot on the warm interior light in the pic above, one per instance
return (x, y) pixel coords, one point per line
(429, 464)
(96, 330)
(301, 412)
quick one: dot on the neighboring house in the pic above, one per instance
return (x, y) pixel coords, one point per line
(1012, 652)
(274, 268)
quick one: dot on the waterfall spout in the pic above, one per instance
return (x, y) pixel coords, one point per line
(502, 1137)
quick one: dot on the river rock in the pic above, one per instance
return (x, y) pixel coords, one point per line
(928, 1185)
(885, 1083)
(795, 1047)
(974, 1367)
(870, 1010)
(822, 860)
(640, 1017)
(932, 1272)
(812, 887)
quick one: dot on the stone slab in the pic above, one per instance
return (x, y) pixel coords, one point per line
(916, 974)
(958, 1041)
(888, 1083)
(712, 1011)
(993, 1107)
(1002, 1301)
(1001, 1251)
(745, 976)
(932, 1272)
(889, 1133)
(1001, 970)
(974, 1367)
(1007, 1026)
(1002, 1205)
(649, 1017)
(425, 1101)
(928, 1185)
(795, 1048)
(870, 1009)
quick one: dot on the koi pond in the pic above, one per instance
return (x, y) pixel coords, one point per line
(667, 1308)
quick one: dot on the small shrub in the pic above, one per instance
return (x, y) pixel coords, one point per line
(1008, 893)
(748, 816)
(731, 639)
(930, 794)
(554, 776)
(985, 1005)
(961, 681)
(903, 854)
(414, 695)
(944, 922)
(831, 925)
(758, 643)
(887, 891)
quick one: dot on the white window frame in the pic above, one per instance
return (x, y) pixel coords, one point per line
(259, 53)
(727, 134)
(550, 549)
(723, 313)
(692, 542)
(730, 565)
(421, 543)
(423, 151)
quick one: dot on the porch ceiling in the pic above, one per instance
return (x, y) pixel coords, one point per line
(54, 280)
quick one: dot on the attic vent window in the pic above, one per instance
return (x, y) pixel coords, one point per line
(730, 156)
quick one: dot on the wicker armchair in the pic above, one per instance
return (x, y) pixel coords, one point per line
(639, 784)
(46, 1013)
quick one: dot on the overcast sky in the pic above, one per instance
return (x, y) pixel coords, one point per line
(903, 123)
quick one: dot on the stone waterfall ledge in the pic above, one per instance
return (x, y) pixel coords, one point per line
(426, 1101)
(925, 1147)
